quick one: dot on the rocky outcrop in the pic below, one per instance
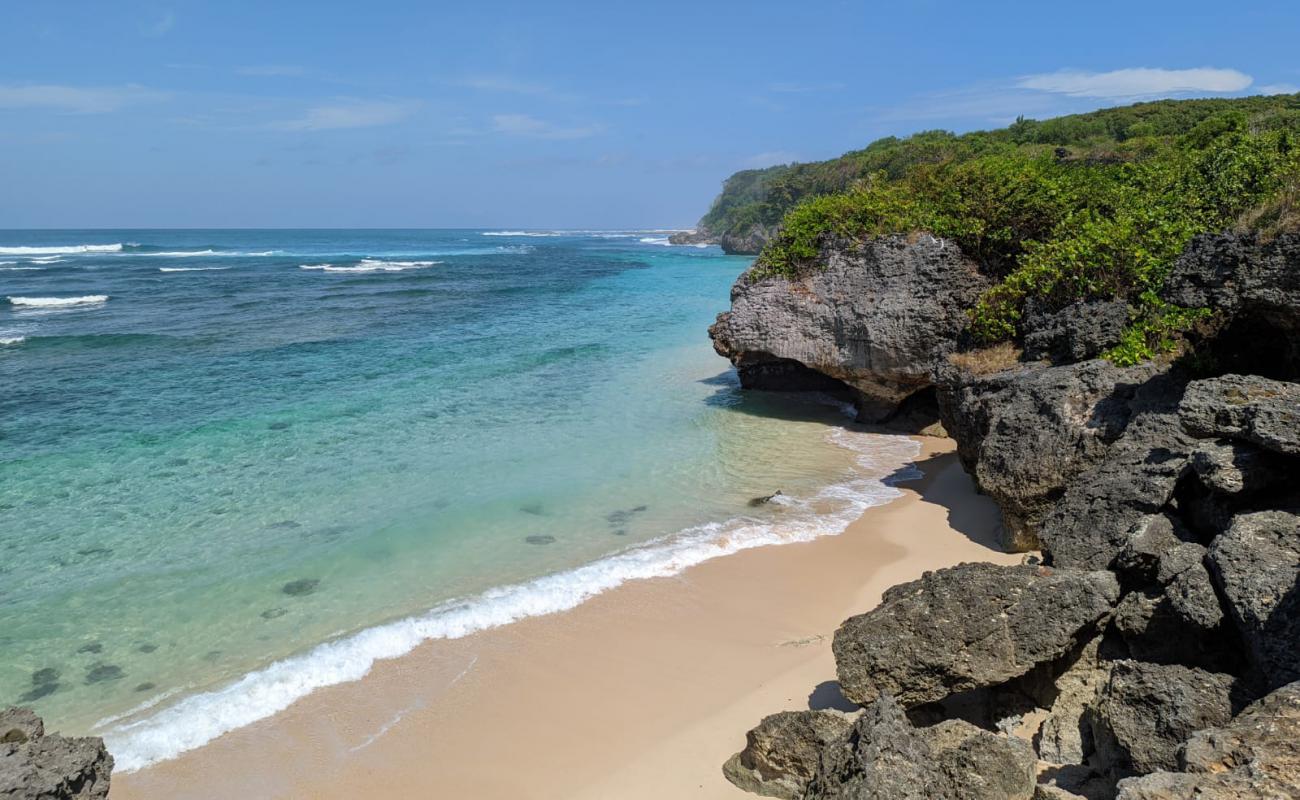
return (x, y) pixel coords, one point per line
(877, 319)
(1145, 711)
(1257, 565)
(37, 766)
(1256, 756)
(781, 755)
(1075, 333)
(1263, 412)
(885, 758)
(968, 627)
(697, 236)
(747, 242)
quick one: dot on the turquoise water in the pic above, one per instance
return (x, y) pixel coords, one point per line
(239, 465)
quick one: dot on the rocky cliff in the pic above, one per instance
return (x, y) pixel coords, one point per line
(37, 766)
(1156, 645)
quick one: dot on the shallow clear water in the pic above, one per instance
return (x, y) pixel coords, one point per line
(221, 449)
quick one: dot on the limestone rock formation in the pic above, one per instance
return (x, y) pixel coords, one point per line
(877, 318)
(1075, 333)
(37, 766)
(966, 627)
(782, 753)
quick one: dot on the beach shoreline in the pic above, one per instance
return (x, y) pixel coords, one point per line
(642, 691)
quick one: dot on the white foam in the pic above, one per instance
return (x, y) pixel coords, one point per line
(655, 240)
(69, 249)
(523, 233)
(190, 269)
(372, 265)
(200, 718)
(180, 253)
(12, 339)
(20, 269)
(57, 302)
(45, 260)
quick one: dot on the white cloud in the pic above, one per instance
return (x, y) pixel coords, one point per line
(525, 125)
(162, 26)
(769, 159)
(1278, 88)
(1137, 82)
(77, 99)
(349, 114)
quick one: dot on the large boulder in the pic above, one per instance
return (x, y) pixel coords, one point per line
(876, 315)
(1263, 412)
(1145, 711)
(885, 758)
(36, 766)
(967, 627)
(782, 753)
(1077, 332)
(1257, 566)
(1256, 756)
(1025, 432)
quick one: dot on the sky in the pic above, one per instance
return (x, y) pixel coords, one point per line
(546, 115)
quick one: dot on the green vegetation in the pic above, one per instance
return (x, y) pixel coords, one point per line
(1088, 206)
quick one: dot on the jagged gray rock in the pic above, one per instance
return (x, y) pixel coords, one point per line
(1077, 332)
(1147, 543)
(1064, 737)
(1145, 711)
(1256, 756)
(1247, 407)
(1078, 411)
(967, 627)
(877, 316)
(782, 753)
(1257, 566)
(36, 766)
(885, 758)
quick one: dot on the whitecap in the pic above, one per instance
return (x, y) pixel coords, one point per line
(190, 269)
(372, 265)
(12, 339)
(45, 260)
(70, 249)
(523, 233)
(180, 253)
(20, 269)
(200, 718)
(58, 302)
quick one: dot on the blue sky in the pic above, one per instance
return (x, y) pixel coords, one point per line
(602, 114)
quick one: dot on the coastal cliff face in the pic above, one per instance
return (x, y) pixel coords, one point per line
(878, 319)
(1156, 641)
(37, 766)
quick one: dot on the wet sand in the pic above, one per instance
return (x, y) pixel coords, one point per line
(641, 692)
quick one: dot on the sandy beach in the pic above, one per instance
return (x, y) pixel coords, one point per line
(641, 692)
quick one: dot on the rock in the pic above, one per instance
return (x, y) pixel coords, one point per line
(540, 539)
(1077, 412)
(1249, 408)
(300, 587)
(781, 754)
(698, 236)
(1156, 534)
(966, 627)
(1257, 566)
(1077, 332)
(877, 316)
(754, 502)
(1145, 711)
(1064, 736)
(885, 758)
(748, 242)
(1256, 756)
(34, 766)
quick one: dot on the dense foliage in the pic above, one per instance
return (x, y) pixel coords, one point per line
(1089, 206)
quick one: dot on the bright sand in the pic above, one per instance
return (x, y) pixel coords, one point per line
(641, 692)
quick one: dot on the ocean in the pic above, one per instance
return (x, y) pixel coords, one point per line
(238, 466)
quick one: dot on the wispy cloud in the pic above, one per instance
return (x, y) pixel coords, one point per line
(272, 71)
(526, 125)
(77, 99)
(164, 24)
(1137, 82)
(1278, 88)
(769, 159)
(349, 114)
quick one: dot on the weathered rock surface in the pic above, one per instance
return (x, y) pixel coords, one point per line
(782, 753)
(697, 236)
(1077, 332)
(1078, 411)
(877, 317)
(1064, 736)
(1145, 711)
(1247, 407)
(885, 758)
(749, 242)
(1256, 756)
(966, 627)
(1257, 566)
(36, 766)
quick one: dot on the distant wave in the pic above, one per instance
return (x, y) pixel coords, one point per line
(655, 240)
(68, 249)
(190, 269)
(522, 233)
(372, 265)
(45, 260)
(18, 269)
(58, 302)
(200, 718)
(180, 253)
(12, 339)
